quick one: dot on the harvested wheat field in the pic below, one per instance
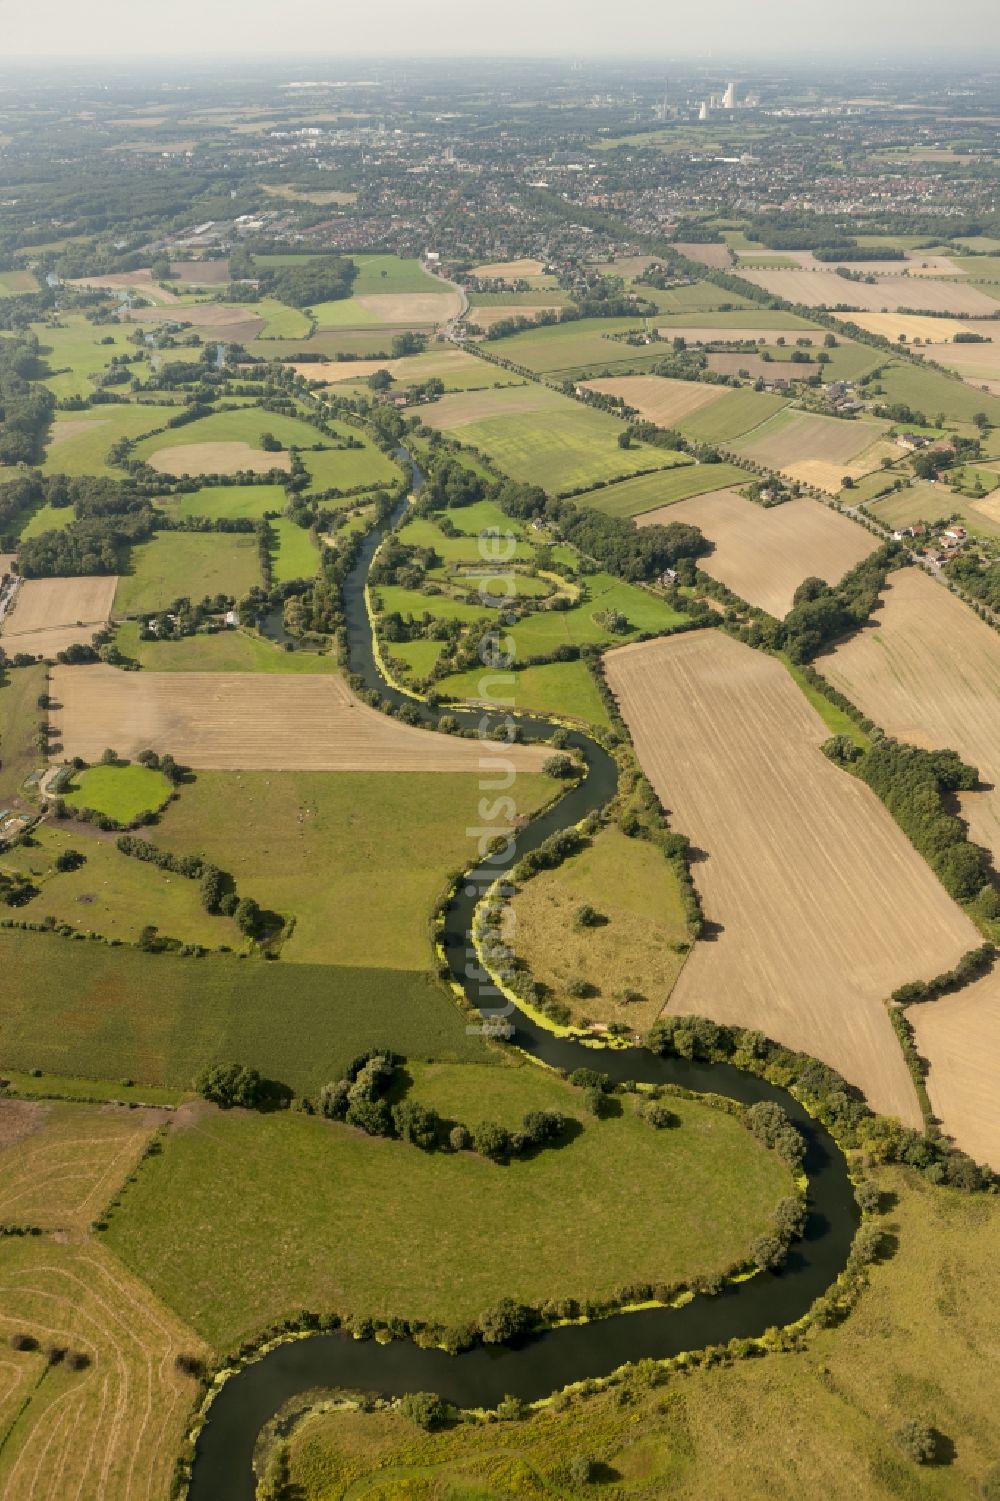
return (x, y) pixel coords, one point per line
(461, 408)
(758, 368)
(485, 317)
(232, 324)
(509, 270)
(928, 671)
(657, 398)
(113, 1428)
(823, 906)
(817, 451)
(217, 458)
(886, 294)
(763, 554)
(716, 256)
(248, 722)
(51, 614)
(911, 325)
(959, 1036)
(67, 1160)
(415, 367)
(411, 307)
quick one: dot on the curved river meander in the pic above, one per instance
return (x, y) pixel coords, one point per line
(545, 1362)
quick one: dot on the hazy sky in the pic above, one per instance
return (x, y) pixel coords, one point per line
(570, 28)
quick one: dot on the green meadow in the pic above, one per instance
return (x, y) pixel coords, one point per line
(122, 792)
(631, 497)
(186, 565)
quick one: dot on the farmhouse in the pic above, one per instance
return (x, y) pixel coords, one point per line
(911, 441)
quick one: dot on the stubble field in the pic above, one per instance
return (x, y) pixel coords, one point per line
(818, 450)
(657, 399)
(959, 1035)
(763, 554)
(927, 670)
(51, 614)
(248, 721)
(823, 905)
(827, 289)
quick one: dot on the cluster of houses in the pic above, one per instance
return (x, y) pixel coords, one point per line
(941, 546)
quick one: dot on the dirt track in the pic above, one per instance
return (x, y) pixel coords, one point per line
(764, 554)
(823, 905)
(249, 721)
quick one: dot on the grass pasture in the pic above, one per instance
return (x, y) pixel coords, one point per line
(111, 1013)
(229, 501)
(920, 1340)
(79, 444)
(541, 633)
(935, 503)
(538, 436)
(584, 347)
(297, 556)
(406, 832)
(110, 893)
(640, 945)
(733, 748)
(558, 688)
(650, 492)
(218, 651)
(15, 283)
(763, 554)
(190, 565)
(735, 415)
(19, 717)
(705, 1192)
(122, 792)
(935, 394)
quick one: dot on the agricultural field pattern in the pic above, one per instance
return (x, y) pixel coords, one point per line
(499, 755)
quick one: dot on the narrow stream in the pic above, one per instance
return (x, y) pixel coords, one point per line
(545, 1362)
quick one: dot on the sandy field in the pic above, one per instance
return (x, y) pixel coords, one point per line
(827, 289)
(818, 450)
(217, 458)
(931, 330)
(248, 722)
(959, 1035)
(51, 614)
(928, 671)
(769, 370)
(658, 399)
(764, 554)
(822, 905)
(509, 270)
(412, 307)
(485, 317)
(717, 256)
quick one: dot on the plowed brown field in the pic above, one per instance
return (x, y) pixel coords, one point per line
(928, 671)
(822, 905)
(764, 554)
(959, 1035)
(248, 721)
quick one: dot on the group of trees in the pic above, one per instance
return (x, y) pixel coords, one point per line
(360, 1097)
(304, 282)
(913, 783)
(612, 541)
(25, 408)
(822, 612)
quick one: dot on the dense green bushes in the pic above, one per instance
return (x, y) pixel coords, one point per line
(913, 783)
(821, 613)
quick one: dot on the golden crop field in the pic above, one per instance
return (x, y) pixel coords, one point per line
(959, 1036)
(249, 721)
(216, 458)
(51, 614)
(911, 325)
(658, 399)
(927, 670)
(411, 307)
(763, 554)
(509, 270)
(821, 903)
(817, 450)
(885, 294)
